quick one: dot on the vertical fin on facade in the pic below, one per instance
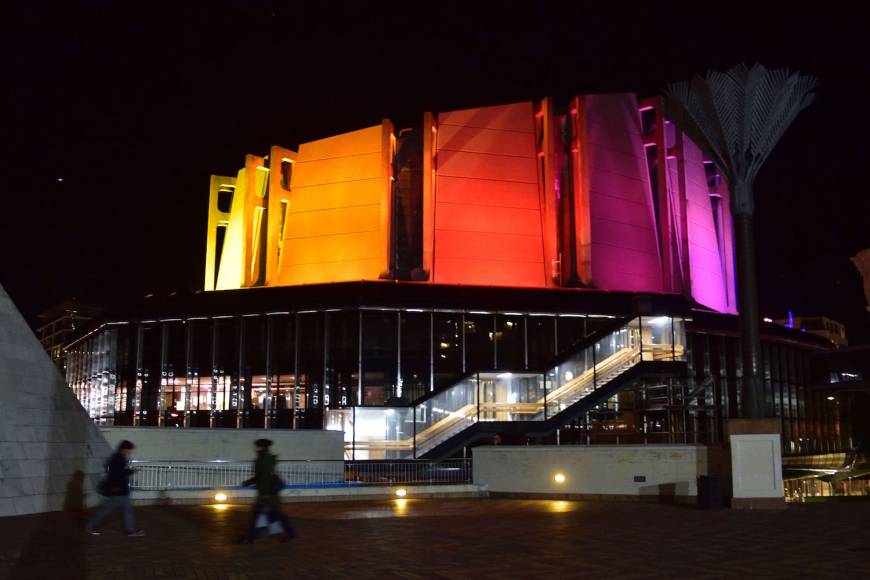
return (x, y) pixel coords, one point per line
(281, 163)
(430, 130)
(220, 197)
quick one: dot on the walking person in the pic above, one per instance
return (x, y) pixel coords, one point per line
(115, 488)
(268, 486)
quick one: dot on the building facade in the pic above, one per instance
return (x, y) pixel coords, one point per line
(530, 270)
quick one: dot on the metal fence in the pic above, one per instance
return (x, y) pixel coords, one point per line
(196, 475)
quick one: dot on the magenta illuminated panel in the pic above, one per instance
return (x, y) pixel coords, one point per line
(624, 236)
(705, 259)
(487, 207)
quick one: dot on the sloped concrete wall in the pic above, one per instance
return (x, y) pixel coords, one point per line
(51, 454)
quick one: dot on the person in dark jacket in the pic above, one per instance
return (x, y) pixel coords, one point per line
(268, 486)
(116, 491)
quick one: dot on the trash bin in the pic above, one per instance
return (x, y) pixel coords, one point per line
(709, 492)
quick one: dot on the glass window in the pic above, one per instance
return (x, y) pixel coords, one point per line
(414, 381)
(253, 381)
(283, 344)
(342, 358)
(226, 372)
(510, 342)
(542, 340)
(479, 341)
(174, 376)
(572, 329)
(310, 339)
(149, 373)
(126, 373)
(199, 372)
(380, 336)
(447, 348)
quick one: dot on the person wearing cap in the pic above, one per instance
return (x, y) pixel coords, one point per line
(115, 489)
(268, 486)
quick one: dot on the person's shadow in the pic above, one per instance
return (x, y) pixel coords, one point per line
(55, 540)
(75, 493)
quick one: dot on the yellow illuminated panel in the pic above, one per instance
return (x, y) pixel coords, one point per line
(231, 271)
(217, 219)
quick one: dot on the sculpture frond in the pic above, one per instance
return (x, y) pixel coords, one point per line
(738, 116)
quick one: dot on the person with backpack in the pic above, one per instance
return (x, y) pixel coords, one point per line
(268, 486)
(115, 489)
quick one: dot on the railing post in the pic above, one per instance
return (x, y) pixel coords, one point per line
(545, 393)
(414, 421)
(640, 335)
(477, 378)
(594, 367)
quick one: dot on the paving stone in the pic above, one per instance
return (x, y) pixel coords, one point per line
(452, 539)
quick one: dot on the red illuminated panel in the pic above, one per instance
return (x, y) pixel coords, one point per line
(487, 206)
(624, 236)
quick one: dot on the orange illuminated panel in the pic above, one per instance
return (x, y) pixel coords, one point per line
(487, 205)
(335, 228)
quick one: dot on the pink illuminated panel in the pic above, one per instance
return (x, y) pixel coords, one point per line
(624, 237)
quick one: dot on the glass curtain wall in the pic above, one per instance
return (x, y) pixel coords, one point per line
(149, 371)
(447, 349)
(225, 392)
(282, 350)
(380, 357)
(479, 341)
(416, 349)
(173, 379)
(254, 381)
(310, 339)
(199, 373)
(229, 371)
(342, 358)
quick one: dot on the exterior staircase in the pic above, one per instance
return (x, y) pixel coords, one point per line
(481, 404)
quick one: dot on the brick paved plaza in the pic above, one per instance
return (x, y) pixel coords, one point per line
(462, 538)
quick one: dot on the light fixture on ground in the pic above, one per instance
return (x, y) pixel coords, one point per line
(401, 492)
(559, 477)
(220, 497)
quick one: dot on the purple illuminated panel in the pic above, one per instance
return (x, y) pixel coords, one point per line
(624, 239)
(706, 258)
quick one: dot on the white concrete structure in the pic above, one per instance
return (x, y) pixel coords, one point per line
(616, 471)
(51, 454)
(756, 466)
(167, 444)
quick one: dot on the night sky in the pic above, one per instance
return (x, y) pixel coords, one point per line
(134, 105)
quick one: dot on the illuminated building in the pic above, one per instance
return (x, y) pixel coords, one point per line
(820, 326)
(516, 268)
(59, 324)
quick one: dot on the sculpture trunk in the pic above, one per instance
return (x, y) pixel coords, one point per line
(750, 329)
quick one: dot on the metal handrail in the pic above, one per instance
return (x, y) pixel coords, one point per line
(151, 475)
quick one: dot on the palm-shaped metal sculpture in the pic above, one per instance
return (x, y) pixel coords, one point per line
(737, 117)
